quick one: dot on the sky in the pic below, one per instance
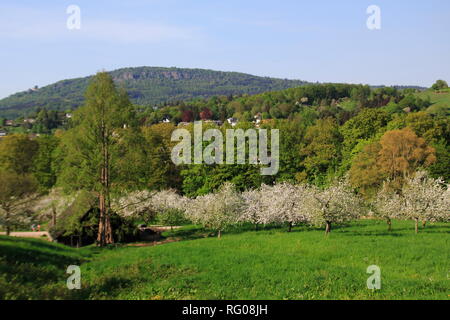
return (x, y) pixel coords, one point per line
(320, 40)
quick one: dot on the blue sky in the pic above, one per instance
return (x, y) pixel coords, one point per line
(320, 40)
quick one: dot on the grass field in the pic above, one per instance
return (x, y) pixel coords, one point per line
(268, 264)
(440, 100)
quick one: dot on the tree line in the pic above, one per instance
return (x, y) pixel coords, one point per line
(422, 198)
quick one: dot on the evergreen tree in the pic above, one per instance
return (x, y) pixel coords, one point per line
(95, 147)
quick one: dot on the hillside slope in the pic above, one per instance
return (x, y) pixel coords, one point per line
(440, 101)
(146, 86)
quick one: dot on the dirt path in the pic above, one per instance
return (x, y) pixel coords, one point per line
(41, 234)
(152, 244)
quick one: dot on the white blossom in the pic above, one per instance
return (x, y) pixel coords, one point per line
(216, 210)
(425, 199)
(18, 214)
(137, 203)
(335, 204)
(53, 204)
(253, 211)
(387, 205)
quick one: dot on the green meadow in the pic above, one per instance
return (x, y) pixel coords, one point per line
(440, 100)
(244, 264)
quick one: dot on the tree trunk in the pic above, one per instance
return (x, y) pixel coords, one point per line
(424, 224)
(104, 228)
(101, 222)
(328, 228)
(105, 235)
(389, 222)
(290, 227)
(219, 234)
(108, 229)
(53, 216)
(417, 225)
(8, 226)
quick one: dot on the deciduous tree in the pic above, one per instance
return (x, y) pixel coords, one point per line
(335, 204)
(217, 210)
(17, 192)
(425, 199)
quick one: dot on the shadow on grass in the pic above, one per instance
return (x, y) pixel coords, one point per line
(397, 231)
(30, 263)
(197, 232)
(37, 243)
(107, 288)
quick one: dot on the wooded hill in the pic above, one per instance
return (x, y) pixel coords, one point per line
(145, 86)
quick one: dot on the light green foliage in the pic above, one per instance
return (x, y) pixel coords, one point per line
(44, 162)
(439, 85)
(98, 124)
(359, 130)
(321, 153)
(16, 191)
(17, 152)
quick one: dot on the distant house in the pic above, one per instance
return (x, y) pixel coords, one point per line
(68, 115)
(29, 120)
(232, 121)
(165, 120)
(3, 134)
(9, 123)
(258, 118)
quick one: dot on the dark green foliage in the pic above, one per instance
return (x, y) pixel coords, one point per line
(78, 224)
(359, 130)
(440, 169)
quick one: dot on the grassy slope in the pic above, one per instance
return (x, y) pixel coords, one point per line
(273, 264)
(439, 100)
(34, 268)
